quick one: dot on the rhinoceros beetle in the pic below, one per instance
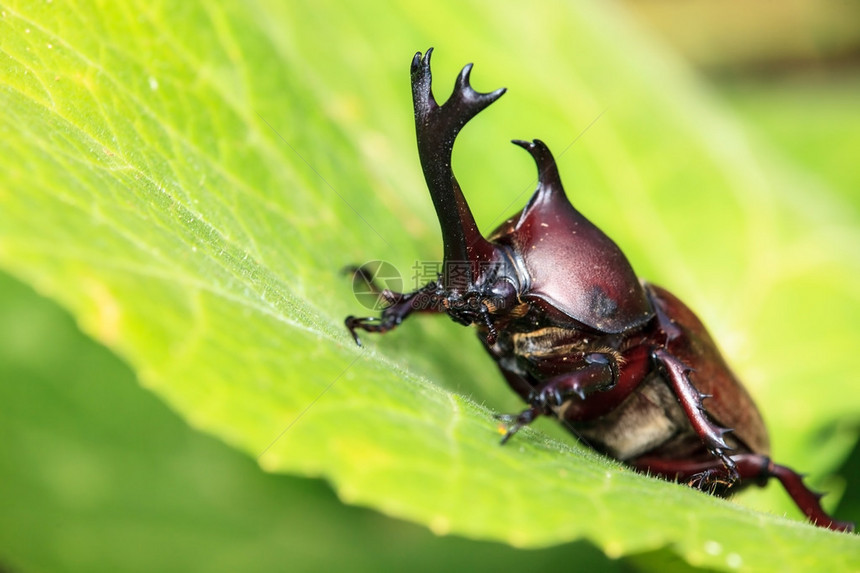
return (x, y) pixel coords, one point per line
(623, 363)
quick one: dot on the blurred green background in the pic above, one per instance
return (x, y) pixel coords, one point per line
(97, 474)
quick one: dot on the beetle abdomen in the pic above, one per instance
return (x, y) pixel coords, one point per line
(646, 420)
(649, 422)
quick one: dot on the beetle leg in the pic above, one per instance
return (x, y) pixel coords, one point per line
(691, 402)
(492, 333)
(709, 479)
(600, 373)
(402, 305)
(806, 499)
(515, 422)
(750, 467)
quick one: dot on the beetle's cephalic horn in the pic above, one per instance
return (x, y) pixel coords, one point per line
(437, 128)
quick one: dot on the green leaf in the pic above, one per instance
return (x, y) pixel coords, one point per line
(815, 122)
(188, 181)
(98, 475)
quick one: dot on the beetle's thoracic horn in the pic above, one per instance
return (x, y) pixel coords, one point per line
(549, 181)
(549, 187)
(437, 128)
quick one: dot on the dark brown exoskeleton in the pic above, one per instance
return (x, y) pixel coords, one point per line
(623, 363)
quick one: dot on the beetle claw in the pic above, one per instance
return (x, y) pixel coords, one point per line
(352, 323)
(732, 474)
(703, 480)
(513, 423)
(509, 434)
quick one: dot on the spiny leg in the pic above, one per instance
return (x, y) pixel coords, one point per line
(599, 372)
(807, 500)
(749, 467)
(401, 306)
(691, 402)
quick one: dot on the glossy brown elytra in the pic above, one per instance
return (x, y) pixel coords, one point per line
(623, 363)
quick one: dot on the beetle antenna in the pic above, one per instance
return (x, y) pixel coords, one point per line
(492, 333)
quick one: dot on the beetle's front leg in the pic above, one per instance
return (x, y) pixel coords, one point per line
(691, 402)
(598, 373)
(401, 305)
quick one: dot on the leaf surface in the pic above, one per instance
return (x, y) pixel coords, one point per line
(188, 182)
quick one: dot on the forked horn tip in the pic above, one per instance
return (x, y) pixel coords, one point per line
(463, 88)
(463, 83)
(420, 60)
